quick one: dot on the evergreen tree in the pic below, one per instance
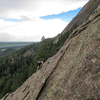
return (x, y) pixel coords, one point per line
(43, 38)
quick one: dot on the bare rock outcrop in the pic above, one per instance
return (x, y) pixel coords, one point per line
(81, 17)
(29, 52)
(77, 76)
(73, 73)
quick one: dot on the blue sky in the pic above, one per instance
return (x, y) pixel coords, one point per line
(11, 20)
(65, 16)
(29, 20)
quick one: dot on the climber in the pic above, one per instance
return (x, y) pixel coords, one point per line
(40, 63)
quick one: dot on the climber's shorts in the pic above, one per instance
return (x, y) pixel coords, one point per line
(39, 64)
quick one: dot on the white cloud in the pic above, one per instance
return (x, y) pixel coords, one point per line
(32, 28)
(6, 37)
(36, 8)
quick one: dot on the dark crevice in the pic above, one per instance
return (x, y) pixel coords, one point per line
(51, 73)
(82, 28)
(26, 95)
(6, 96)
(27, 87)
(86, 23)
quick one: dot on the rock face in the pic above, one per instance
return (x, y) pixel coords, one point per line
(73, 73)
(77, 75)
(83, 15)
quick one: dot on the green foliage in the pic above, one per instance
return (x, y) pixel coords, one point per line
(44, 49)
(61, 40)
(13, 72)
(6, 48)
(5, 52)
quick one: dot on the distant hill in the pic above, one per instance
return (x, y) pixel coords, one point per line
(7, 48)
(7, 52)
(13, 44)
